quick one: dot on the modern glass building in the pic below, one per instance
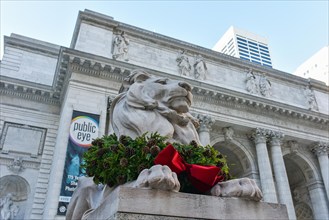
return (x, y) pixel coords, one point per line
(245, 45)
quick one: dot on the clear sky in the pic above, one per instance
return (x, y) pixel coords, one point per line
(295, 29)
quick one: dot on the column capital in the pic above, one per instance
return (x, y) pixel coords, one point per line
(320, 148)
(276, 137)
(259, 135)
(205, 122)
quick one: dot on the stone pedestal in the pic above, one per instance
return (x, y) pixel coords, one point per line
(131, 203)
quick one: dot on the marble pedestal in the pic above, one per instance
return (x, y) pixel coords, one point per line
(126, 203)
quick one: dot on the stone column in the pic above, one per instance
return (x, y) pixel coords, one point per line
(319, 201)
(205, 127)
(280, 174)
(321, 150)
(264, 166)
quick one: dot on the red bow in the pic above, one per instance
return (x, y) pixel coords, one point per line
(202, 178)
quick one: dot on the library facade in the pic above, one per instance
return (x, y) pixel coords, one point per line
(271, 125)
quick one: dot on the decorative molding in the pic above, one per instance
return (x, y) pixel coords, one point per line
(16, 166)
(293, 146)
(120, 47)
(200, 68)
(320, 148)
(183, 63)
(205, 122)
(228, 134)
(310, 98)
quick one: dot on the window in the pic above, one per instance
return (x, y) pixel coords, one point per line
(244, 51)
(267, 65)
(261, 46)
(256, 58)
(251, 46)
(243, 54)
(246, 48)
(240, 43)
(243, 58)
(265, 61)
(252, 43)
(254, 54)
(253, 50)
(254, 61)
(266, 58)
(241, 39)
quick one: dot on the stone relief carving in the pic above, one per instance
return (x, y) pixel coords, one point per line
(183, 64)
(293, 145)
(265, 86)
(200, 68)
(310, 99)
(16, 166)
(121, 47)
(153, 104)
(251, 82)
(258, 84)
(8, 209)
(228, 134)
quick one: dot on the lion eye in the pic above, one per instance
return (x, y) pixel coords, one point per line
(162, 81)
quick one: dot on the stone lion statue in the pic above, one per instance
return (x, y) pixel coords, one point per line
(153, 104)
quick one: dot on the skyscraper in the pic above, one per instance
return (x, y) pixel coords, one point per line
(316, 66)
(244, 45)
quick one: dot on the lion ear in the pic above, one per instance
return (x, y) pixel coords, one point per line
(135, 76)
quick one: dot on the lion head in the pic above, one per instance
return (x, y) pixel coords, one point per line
(153, 104)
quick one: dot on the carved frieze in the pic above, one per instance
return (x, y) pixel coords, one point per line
(200, 68)
(310, 99)
(121, 47)
(258, 84)
(183, 64)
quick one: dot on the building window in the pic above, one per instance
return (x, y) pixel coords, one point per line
(243, 58)
(261, 46)
(241, 39)
(240, 43)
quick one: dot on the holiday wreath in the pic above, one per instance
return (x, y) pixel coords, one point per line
(112, 161)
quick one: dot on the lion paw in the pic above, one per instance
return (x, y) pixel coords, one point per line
(244, 187)
(158, 177)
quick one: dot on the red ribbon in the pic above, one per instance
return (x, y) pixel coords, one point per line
(203, 178)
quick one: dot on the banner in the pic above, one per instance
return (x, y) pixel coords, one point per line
(83, 130)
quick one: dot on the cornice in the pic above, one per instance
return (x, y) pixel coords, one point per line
(32, 44)
(116, 70)
(108, 22)
(27, 90)
(224, 97)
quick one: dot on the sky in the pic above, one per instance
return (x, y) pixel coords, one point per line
(295, 29)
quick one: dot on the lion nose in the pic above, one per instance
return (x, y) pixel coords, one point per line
(185, 86)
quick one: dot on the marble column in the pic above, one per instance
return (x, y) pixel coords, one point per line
(319, 201)
(205, 127)
(321, 150)
(264, 166)
(280, 174)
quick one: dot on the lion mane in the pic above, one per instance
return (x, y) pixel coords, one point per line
(154, 104)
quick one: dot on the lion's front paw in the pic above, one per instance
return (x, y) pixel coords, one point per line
(158, 177)
(244, 187)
